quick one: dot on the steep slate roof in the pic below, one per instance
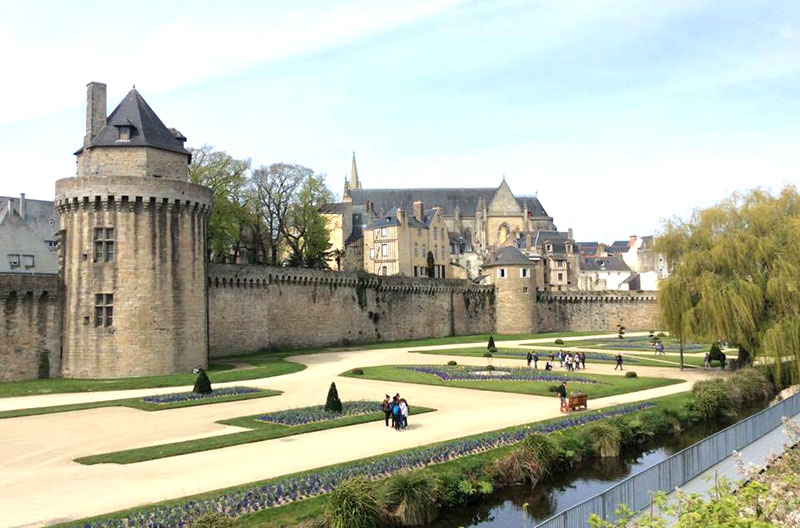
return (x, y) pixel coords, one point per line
(446, 198)
(332, 208)
(604, 264)
(40, 215)
(508, 255)
(148, 130)
(17, 237)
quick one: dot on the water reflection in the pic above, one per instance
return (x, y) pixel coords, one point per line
(504, 509)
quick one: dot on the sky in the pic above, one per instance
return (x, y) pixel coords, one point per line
(617, 114)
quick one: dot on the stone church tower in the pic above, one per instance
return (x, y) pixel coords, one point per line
(133, 247)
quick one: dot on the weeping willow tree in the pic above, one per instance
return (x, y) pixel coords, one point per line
(736, 277)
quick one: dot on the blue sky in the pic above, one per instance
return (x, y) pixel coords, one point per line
(618, 113)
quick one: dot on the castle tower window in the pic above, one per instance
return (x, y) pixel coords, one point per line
(104, 244)
(124, 133)
(103, 309)
(501, 273)
(524, 273)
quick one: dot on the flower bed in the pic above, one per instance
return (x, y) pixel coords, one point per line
(318, 413)
(590, 356)
(191, 396)
(293, 488)
(473, 373)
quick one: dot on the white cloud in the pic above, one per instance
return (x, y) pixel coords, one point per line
(178, 52)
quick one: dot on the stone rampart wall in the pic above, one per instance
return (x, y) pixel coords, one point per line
(30, 326)
(576, 311)
(257, 307)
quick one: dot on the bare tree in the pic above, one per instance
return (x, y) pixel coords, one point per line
(276, 188)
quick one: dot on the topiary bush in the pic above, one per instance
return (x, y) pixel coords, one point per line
(333, 403)
(552, 388)
(202, 384)
(452, 363)
(630, 374)
(353, 504)
(412, 497)
(213, 520)
(559, 341)
(492, 349)
(357, 371)
(489, 368)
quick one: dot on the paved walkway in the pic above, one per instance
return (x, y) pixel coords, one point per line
(757, 453)
(40, 483)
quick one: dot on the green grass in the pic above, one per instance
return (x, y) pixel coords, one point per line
(135, 403)
(258, 431)
(292, 514)
(518, 353)
(608, 386)
(267, 364)
(633, 344)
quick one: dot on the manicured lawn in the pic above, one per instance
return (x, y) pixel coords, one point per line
(518, 353)
(608, 385)
(642, 343)
(292, 514)
(137, 403)
(266, 364)
(259, 430)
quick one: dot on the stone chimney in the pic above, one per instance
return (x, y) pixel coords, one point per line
(418, 210)
(95, 110)
(401, 216)
(23, 207)
(569, 234)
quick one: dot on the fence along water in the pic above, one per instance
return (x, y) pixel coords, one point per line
(675, 471)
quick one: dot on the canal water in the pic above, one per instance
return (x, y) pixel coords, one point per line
(504, 509)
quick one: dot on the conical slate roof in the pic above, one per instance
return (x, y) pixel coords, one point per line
(147, 129)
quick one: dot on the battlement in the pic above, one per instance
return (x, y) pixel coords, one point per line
(36, 285)
(597, 297)
(253, 276)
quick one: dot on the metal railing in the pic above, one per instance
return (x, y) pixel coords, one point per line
(635, 491)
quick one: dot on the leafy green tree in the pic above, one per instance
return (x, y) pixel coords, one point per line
(227, 178)
(736, 276)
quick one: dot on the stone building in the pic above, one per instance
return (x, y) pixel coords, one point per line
(133, 247)
(604, 273)
(516, 278)
(28, 236)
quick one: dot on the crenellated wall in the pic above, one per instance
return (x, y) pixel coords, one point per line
(578, 311)
(256, 307)
(30, 326)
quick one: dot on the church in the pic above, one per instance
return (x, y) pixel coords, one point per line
(478, 221)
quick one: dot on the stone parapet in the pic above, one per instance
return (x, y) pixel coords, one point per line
(594, 296)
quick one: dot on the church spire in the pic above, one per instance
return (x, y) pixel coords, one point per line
(354, 183)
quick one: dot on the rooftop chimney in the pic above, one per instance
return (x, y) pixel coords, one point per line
(418, 209)
(22, 205)
(401, 216)
(95, 110)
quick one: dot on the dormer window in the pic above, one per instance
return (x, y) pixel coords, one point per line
(123, 133)
(548, 248)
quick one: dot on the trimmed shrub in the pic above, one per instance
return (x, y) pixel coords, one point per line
(353, 504)
(213, 520)
(487, 355)
(559, 341)
(630, 374)
(489, 368)
(333, 403)
(713, 399)
(413, 497)
(490, 346)
(357, 371)
(606, 439)
(452, 363)
(552, 388)
(202, 384)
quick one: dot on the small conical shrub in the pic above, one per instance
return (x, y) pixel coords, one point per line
(202, 384)
(491, 346)
(333, 403)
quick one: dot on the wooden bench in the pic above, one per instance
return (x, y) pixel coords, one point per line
(575, 403)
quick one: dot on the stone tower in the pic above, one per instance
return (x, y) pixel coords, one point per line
(352, 183)
(133, 247)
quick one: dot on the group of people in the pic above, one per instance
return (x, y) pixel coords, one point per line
(395, 409)
(572, 362)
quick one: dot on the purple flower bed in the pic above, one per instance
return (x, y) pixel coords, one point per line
(590, 356)
(318, 413)
(290, 489)
(472, 373)
(191, 396)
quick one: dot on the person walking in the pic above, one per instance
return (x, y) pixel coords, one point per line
(386, 407)
(567, 362)
(583, 360)
(535, 360)
(561, 358)
(619, 362)
(529, 358)
(562, 394)
(707, 361)
(397, 418)
(576, 360)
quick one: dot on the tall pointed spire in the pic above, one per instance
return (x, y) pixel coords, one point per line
(354, 183)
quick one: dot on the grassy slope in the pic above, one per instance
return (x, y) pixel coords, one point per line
(293, 514)
(135, 403)
(259, 430)
(519, 353)
(267, 363)
(609, 386)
